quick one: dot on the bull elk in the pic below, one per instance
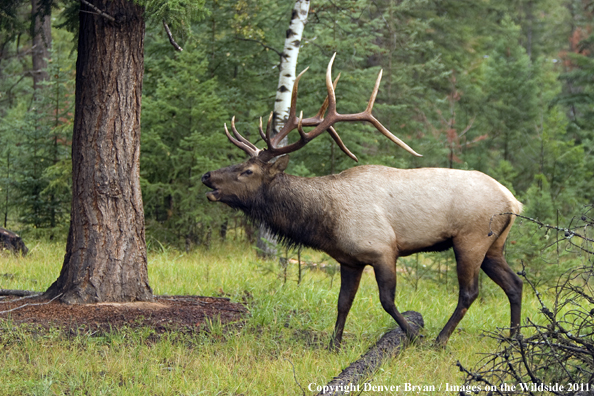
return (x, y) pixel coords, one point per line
(371, 215)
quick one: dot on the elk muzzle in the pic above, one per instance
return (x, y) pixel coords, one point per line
(213, 195)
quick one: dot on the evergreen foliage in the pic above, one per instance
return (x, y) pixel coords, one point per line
(509, 86)
(178, 143)
(35, 135)
(502, 87)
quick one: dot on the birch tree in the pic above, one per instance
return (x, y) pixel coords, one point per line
(288, 64)
(287, 73)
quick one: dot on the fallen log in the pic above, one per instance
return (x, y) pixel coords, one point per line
(389, 345)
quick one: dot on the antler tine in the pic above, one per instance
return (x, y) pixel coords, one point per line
(369, 117)
(325, 123)
(320, 124)
(329, 105)
(318, 121)
(332, 133)
(300, 127)
(249, 149)
(269, 128)
(340, 144)
(374, 93)
(239, 137)
(330, 87)
(291, 123)
(261, 131)
(390, 136)
(294, 93)
(322, 111)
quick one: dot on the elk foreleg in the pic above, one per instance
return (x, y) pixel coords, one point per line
(499, 271)
(385, 275)
(349, 284)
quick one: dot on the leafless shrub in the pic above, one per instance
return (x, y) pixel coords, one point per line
(554, 353)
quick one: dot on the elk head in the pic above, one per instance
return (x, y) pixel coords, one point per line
(235, 183)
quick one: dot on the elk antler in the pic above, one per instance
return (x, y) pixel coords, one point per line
(318, 121)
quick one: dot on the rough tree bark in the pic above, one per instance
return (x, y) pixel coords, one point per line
(106, 249)
(287, 72)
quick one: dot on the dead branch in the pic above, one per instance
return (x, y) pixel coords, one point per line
(567, 232)
(295, 377)
(99, 12)
(557, 352)
(262, 44)
(19, 299)
(477, 377)
(30, 305)
(171, 39)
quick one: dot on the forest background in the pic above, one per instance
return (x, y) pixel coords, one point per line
(503, 87)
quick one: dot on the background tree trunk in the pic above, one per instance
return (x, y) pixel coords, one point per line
(106, 249)
(42, 42)
(266, 241)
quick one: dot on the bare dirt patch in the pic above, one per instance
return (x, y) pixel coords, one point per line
(165, 313)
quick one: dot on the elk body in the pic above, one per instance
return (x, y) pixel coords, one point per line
(371, 215)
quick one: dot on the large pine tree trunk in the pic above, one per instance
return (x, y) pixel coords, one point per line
(106, 250)
(266, 241)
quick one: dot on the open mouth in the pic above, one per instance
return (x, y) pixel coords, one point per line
(213, 195)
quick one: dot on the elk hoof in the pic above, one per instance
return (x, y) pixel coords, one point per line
(440, 344)
(334, 346)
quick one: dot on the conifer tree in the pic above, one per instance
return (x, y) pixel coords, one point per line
(510, 92)
(181, 138)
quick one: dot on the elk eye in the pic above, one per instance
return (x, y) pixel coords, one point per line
(248, 172)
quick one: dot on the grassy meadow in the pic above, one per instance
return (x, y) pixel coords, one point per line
(279, 349)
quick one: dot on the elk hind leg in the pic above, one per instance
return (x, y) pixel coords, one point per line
(468, 262)
(350, 277)
(499, 271)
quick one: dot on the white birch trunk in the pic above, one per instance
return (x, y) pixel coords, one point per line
(288, 65)
(266, 241)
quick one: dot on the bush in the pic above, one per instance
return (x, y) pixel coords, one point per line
(554, 354)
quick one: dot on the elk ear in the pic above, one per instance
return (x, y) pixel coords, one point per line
(280, 164)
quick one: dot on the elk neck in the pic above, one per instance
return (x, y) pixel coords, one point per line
(299, 210)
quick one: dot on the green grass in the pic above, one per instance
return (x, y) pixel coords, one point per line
(289, 325)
